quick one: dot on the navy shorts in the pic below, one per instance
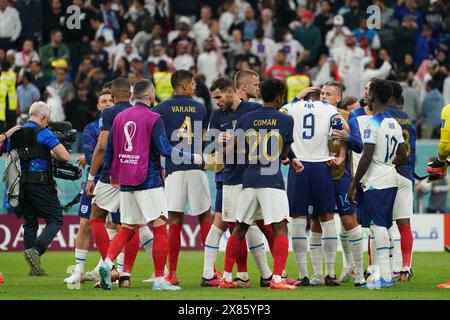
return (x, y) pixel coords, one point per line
(343, 205)
(85, 208)
(218, 204)
(377, 208)
(360, 204)
(313, 187)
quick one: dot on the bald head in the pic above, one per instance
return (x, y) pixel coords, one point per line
(39, 108)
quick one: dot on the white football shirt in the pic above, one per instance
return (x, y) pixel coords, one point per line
(312, 125)
(386, 134)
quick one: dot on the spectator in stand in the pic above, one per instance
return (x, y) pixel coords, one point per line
(121, 71)
(410, 96)
(368, 39)
(27, 93)
(24, 58)
(270, 30)
(103, 31)
(158, 55)
(236, 47)
(63, 88)
(286, 11)
(31, 19)
(112, 18)
(187, 8)
(294, 50)
(405, 37)
(265, 48)
(247, 55)
(426, 46)
(309, 36)
(351, 18)
(404, 8)
(336, 36)
(39, 79)
(127, 51)
(201, 90)
(82, 74)
(99, 56)
(156, 36)
(407, 66)
(10, 26)
(138, 14)
(227, 18)
(435, 15)
(211, 63)
(440, 71)
(324, 21)
(53, 51)
(161, 16)
(201, 28)
(161, 78)
(220, 42)
(281, 69)
(183, 60)
(249, 25)
(142, 38)
(350, 103)
(53, 18)
(369, 71)
(431, 111)
(183, 34)
(388, 26)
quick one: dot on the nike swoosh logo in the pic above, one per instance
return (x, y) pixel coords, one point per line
(223, 125)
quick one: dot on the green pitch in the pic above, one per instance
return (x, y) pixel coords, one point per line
(429, 270)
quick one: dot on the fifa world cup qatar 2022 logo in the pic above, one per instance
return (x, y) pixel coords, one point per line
(129, 130)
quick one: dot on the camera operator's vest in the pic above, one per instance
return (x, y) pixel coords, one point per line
(132, 131)
(30, 150)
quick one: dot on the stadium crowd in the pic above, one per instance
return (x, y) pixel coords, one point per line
(43, 57)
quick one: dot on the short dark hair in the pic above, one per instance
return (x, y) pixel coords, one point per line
(348, 101)
(314, 95)
(120, 88)
(432, 84)
(259, 32)
(271, 89)
(162, 65)
(54, 31)
(396, 89)
(402, 76)
(222, 83)
(179, 77)
(381, 89)
(141, 87)
(107, 85)
(28, 75)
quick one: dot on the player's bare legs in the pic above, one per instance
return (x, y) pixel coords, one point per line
(406, 241)
(351, 239)
(82, 243)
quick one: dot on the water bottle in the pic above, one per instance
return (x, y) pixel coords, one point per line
(337, 124)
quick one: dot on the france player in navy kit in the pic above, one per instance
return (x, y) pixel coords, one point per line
(403, 206)
(185, 121)
(267, 135)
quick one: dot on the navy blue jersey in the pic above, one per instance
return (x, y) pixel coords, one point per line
(90, 138)
(105, 124)
(409, 134)
(159, 145)
(44, 137)
(224, 121)
(184, 119)
(267, 133)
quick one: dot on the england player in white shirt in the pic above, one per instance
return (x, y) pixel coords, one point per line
(384, 149)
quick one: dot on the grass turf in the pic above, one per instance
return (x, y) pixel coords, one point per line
(429, 270)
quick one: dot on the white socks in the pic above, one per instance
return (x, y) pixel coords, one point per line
(382, 250)
(347, 254)
(355, 242)
(211, 249)
(146, 239)
(255, 243)
(373, 248)
(111, 233)
(315, 246)
(329, 243)
(300, 246)
(397, 259)
(80, 260)
(120, 260)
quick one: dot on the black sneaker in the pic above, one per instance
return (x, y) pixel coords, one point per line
(366, 274)
(332, 282)
(265, 283)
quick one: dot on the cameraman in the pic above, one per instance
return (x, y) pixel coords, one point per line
(38, 196)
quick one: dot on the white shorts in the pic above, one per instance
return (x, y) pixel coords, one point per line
(106, 197)
(142, 206)
(273, 204)
(403, 205)
(191, 186)
(230, 198)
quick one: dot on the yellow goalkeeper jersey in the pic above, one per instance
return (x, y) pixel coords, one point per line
(444, 143)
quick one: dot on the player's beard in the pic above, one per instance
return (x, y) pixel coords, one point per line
(228, 104)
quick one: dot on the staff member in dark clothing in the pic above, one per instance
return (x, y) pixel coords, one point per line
(38, 193)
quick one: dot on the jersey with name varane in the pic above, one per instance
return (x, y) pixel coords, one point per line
(312, 124)
(226, 121)
(385, 133)
(361, 117)
(267, 133)
(105, 123)
(184, 119)
(409, 135)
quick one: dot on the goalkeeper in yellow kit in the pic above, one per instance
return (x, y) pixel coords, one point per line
(438, 169)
